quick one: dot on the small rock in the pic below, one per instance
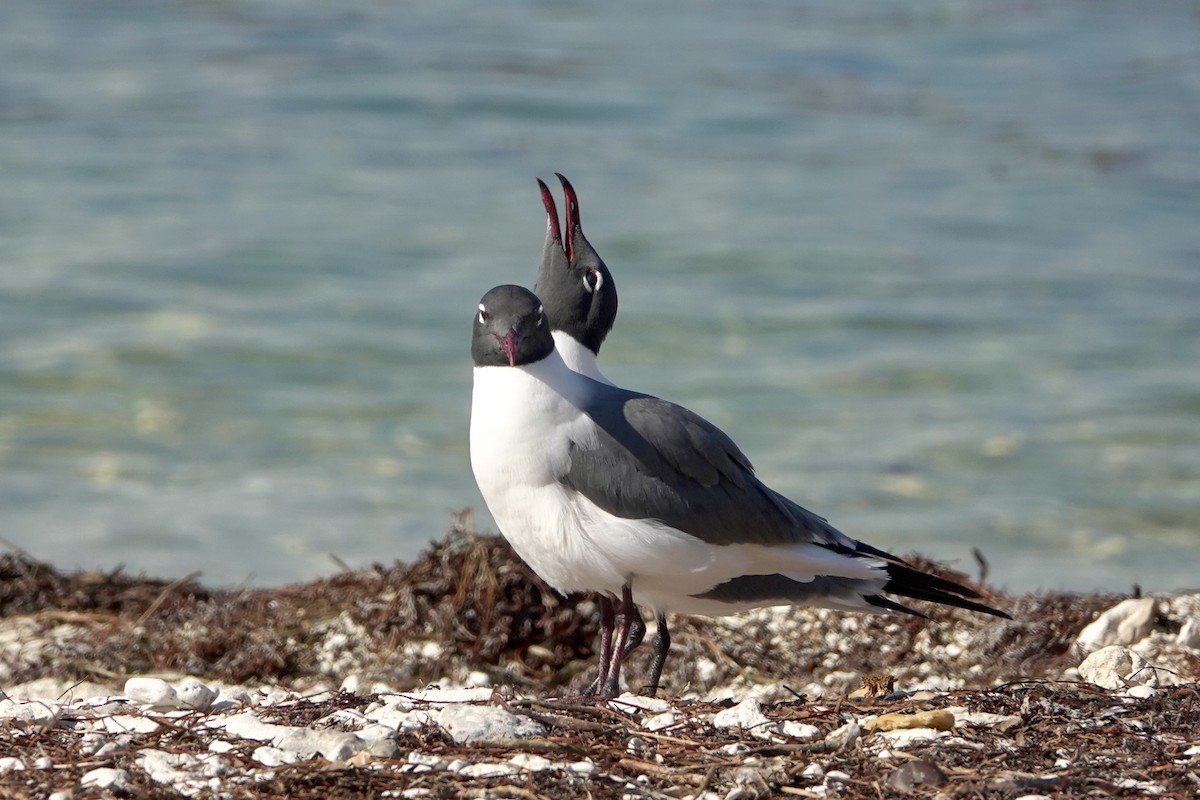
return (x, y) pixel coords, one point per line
(843, 737)
(425, 762)
(467, 724)
(442, 696)
(195, 695)
(270, 756)
(152, 692)
(30, 714)
(1189, 634)
(908, 776)
(333, 745)
(383, 748)
(106, 778)
(1117, 667)
(11, 764)
(582, 767)
(814, 771)
(531, 762)
(127, 723)
(631, 703)
(488, 770)
(984, 719)
(661, 721)
(800, 730)
(1127, 622)
(248, 726)
(1141, 691)
(746, 715)
(59, 796)
(905, 737)
(181, 770)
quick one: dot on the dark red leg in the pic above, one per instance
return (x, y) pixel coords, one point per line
(607, 623)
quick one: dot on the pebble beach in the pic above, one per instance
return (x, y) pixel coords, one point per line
(459, 676)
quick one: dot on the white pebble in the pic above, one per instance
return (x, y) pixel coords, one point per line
(488, 770)
(1127, 622)
(11, 764)
(127, 723)
(248, 726)
(30, 714)
(193, 694)
(660, 721)
(106, 778)
(333, 745)
(1189, 634)
(531, 762)
(273, 757)
(467, 724)
(1117, 667)
(746, 715)
(800, 730)
(152, 692)
(631, 703)
(447, 696)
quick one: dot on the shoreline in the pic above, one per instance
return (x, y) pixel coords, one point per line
(372, 681)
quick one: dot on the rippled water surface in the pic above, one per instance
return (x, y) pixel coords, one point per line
(935, 266)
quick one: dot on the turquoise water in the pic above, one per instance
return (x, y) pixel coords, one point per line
(935, 266)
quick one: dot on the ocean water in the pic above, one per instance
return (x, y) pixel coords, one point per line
(935, 266)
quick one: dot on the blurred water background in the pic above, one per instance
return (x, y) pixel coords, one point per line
(935, 266)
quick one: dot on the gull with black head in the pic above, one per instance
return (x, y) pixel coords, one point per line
(599, 488)
(579, 298)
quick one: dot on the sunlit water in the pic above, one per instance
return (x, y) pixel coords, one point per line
(936, 267)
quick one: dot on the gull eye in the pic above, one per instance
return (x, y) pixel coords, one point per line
(592, 280)
(541, 317)
(483, 314)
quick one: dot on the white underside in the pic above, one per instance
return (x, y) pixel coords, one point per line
(523, 420)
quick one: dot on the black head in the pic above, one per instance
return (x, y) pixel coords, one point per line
(510, 329)
(574, 283)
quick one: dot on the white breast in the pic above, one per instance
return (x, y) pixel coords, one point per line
(522, 424)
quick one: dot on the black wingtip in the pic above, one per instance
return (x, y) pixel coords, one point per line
(906, 581)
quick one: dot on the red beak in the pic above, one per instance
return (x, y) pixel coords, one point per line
(572, 220)
(551, 212)
(509, 342)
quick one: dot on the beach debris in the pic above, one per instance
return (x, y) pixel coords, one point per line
(1127, 622)
(1116, 667)
(938, 719)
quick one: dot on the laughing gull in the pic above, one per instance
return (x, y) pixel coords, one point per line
(599, 488)
(579, 297)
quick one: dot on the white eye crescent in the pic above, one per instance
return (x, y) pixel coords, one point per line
(483, 314)
(541, 316)
(592, 280)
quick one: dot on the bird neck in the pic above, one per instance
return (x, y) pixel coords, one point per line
(578, 357)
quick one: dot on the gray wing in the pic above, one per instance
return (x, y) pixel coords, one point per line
(657, 460)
